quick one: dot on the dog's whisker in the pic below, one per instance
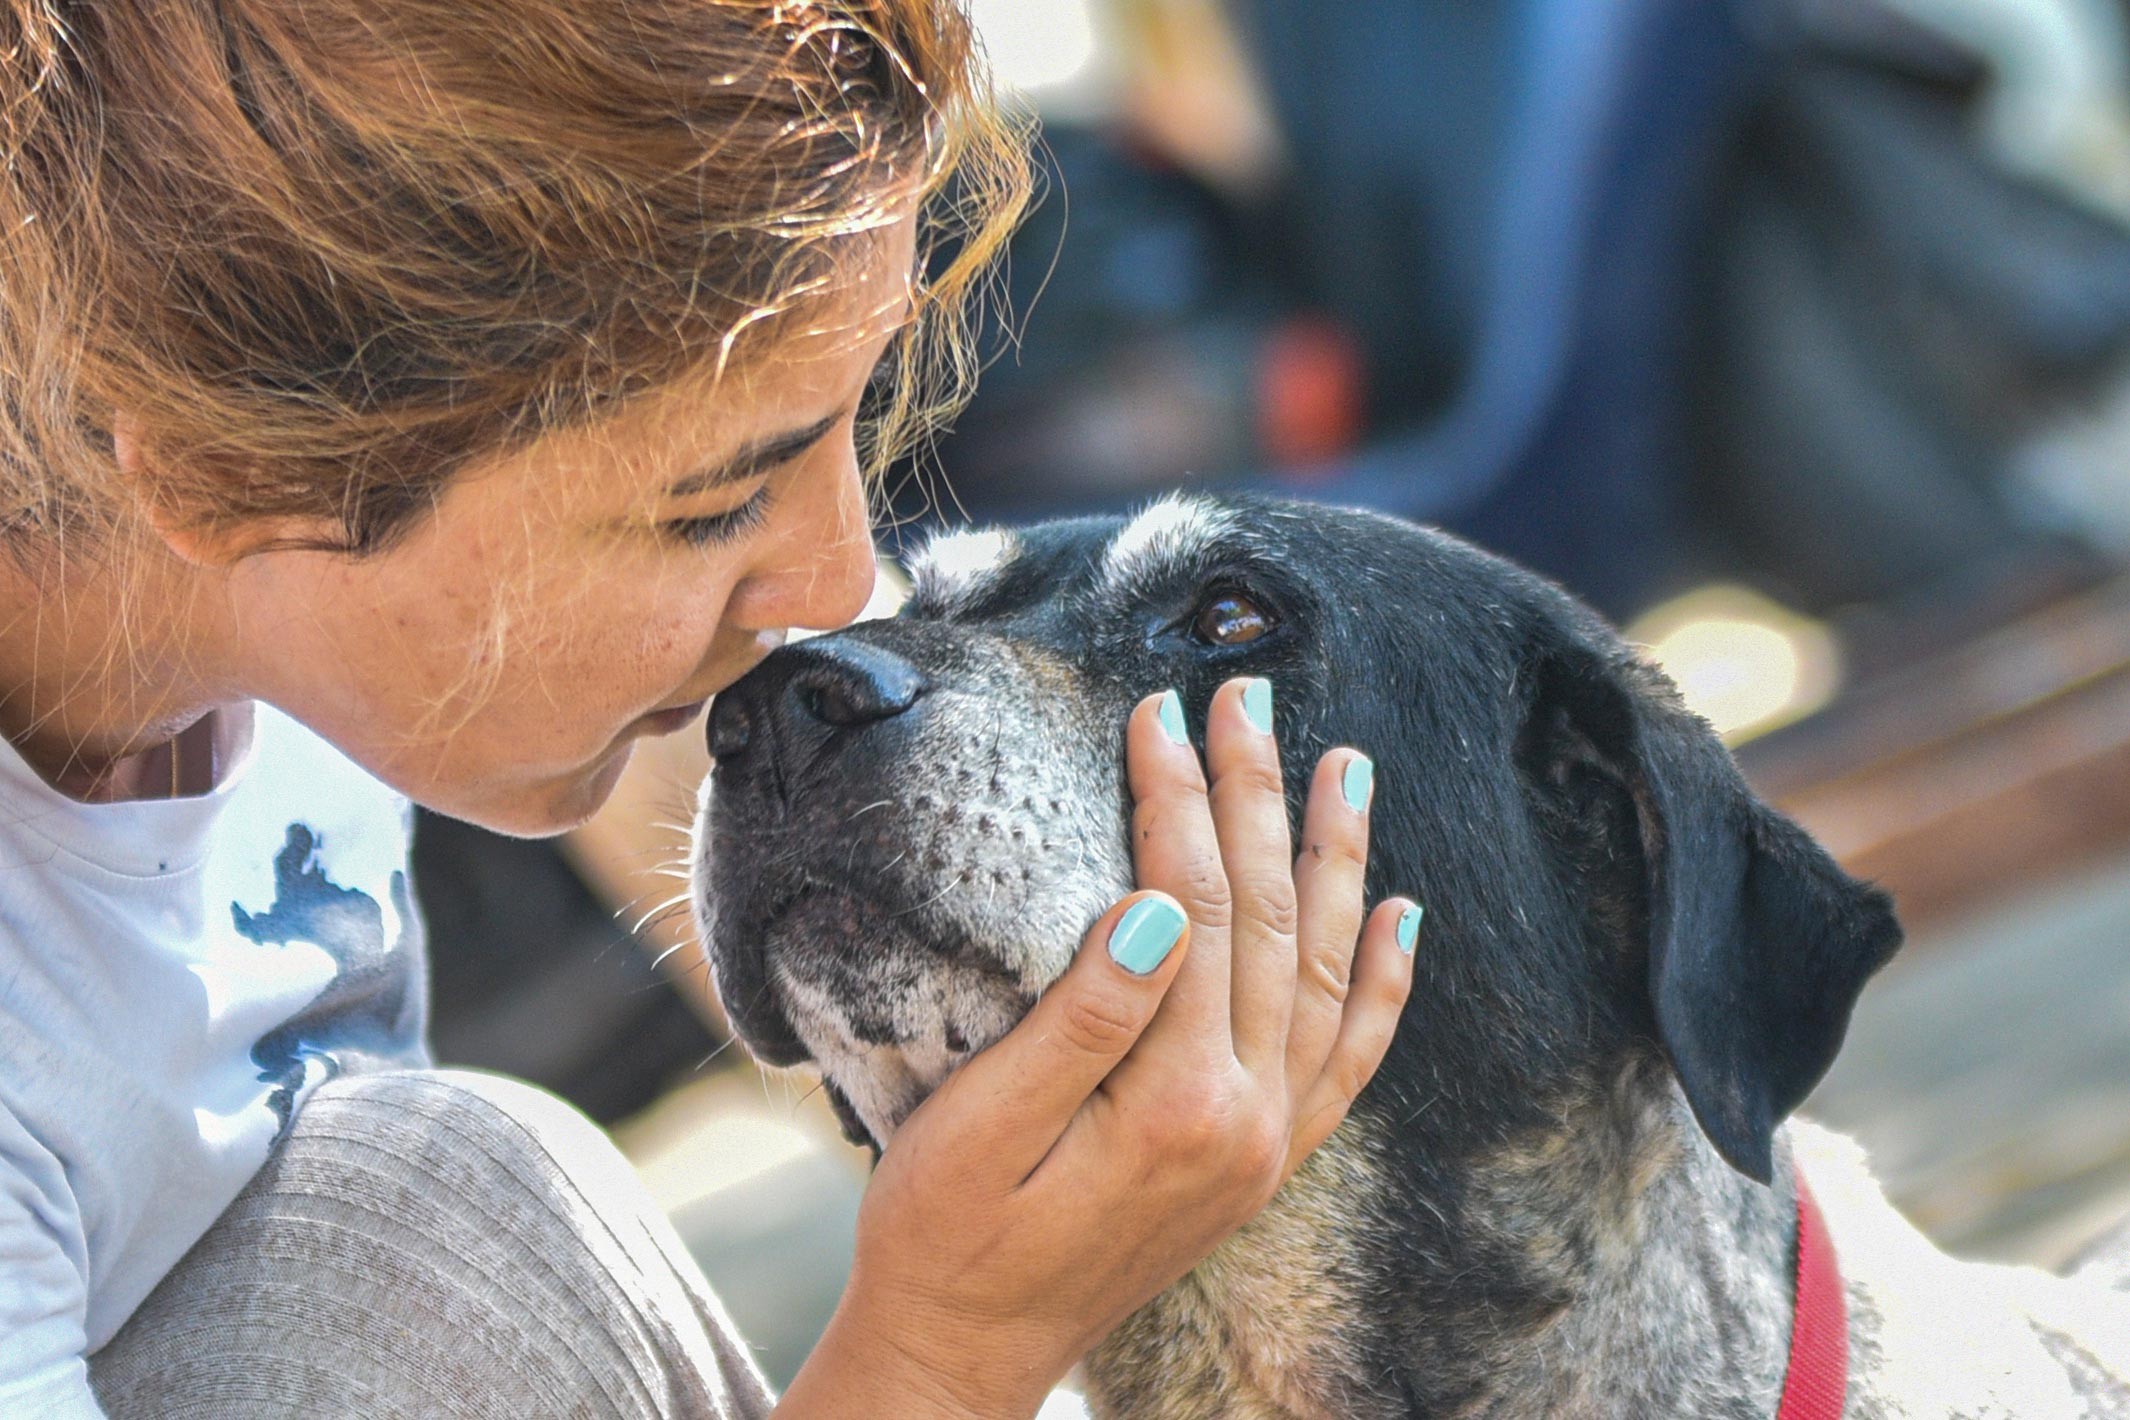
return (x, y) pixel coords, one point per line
(857, 814)
(660, 912)
(677, 912)
(660, 959)
(723, 1046)
(959, 879)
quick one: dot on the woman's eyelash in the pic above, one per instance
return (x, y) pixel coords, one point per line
(720, 527)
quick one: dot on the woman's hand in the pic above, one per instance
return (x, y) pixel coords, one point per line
(1151, 1102)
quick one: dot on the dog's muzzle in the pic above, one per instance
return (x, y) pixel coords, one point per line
(908, 828)
(822, 709)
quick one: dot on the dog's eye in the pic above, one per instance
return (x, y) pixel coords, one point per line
(1230, 619)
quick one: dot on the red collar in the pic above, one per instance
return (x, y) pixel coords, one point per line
(1819, 1333)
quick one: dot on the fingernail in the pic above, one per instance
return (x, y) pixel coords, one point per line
(1359, 782)
(1170, 714)
(1409, 928)
(1257, 704)
(1145, 935)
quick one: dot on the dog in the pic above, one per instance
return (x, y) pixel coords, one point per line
(1572, 1188)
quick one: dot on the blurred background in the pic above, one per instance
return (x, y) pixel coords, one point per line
(1794, 334)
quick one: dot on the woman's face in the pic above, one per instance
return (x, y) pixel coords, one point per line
(499, 662)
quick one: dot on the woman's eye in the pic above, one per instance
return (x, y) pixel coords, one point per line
(720, 527)
(1230, 619)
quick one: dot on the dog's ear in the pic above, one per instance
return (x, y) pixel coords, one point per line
(1757, 942)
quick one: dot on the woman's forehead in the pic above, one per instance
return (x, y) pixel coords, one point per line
(827, 341)
(799, 372)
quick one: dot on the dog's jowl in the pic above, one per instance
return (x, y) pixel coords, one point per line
(1571, 1189)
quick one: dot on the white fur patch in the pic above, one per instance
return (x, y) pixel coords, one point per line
(953, 569)
(1953, 1337)
(1173, 529)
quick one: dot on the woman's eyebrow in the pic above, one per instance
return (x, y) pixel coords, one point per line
(753, 458)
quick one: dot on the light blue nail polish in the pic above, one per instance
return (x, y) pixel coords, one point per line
(1170, 714)
(1358, 782)
(1409, 928)
(1257, 704)
(1146, 934)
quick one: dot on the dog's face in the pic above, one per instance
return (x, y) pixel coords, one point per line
(913, 822)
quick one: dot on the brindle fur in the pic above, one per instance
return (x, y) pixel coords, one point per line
(1569, 1191)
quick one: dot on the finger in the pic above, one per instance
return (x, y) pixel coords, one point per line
(1036, 1076)
(1175, 850)
(1249, 805)
(1382, 979)
(1328, 874)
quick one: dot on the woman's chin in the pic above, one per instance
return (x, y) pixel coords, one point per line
(548, 807)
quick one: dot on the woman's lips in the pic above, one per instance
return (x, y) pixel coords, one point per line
(666, 722)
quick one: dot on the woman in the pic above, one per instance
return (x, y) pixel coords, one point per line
(442, 395)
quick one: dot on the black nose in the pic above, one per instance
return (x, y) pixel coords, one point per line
(828, 683)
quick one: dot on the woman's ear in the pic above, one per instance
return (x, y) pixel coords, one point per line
(204, 542)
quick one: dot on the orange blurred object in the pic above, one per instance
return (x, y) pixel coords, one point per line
(1311, 395)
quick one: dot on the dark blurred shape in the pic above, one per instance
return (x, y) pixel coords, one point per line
(1502, 199)
(1140, 366)
(1636, 291)
(1888, 318)
(1973, 775)
(533, 976)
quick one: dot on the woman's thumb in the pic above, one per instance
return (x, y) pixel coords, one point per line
(1082, 1025)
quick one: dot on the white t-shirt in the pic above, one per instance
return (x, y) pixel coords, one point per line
(175, 977)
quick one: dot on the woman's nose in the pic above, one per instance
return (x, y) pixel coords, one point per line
(838, 584)
(821, 573)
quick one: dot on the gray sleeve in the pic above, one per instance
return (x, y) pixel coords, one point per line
(431, 1244)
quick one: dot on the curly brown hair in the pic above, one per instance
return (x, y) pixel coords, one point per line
(321, 254)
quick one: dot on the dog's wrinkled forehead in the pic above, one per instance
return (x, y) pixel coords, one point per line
(962, 574)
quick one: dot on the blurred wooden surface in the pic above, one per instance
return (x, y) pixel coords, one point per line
(1988, 1072)
(1980, 771)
